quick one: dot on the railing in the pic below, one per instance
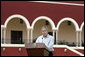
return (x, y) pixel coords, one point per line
(23, 41)
(72, 44)
(15, 41)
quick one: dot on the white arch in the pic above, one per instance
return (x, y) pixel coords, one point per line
(45, 18)
(81, 26)
(19, 16)
(69, 19)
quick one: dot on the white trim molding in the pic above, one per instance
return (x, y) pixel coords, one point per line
(68, 19)
(62, 3)
(82, 48)
(81, 26)
(18, 16)
(12, 45)
(43, 18)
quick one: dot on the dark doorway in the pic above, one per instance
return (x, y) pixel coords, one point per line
(16, 37)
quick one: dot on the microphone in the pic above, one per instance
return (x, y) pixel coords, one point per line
(42, 40)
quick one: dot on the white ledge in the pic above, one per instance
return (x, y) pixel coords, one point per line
(64, 3)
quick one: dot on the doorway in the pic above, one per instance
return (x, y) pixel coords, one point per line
(16, 37)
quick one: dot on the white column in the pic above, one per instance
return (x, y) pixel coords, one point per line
(56, 36)
(1, 35)
(53, 33)
(77, 39)
(31, 35)
(4, 35)
(80, 39)
(27, 35)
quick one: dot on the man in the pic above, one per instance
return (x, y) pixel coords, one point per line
(47, 39)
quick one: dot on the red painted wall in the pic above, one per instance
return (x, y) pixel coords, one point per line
(60, 52)
(14, 51)
(32, 10)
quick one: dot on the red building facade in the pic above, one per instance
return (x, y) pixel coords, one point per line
(55, 12)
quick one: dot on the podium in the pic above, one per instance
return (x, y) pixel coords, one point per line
(38, 49)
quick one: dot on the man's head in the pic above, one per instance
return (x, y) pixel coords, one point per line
(44, 31)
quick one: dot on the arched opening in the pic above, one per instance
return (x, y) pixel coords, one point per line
(16, 31)
(67, 33)
(37, 28)
(38, 23)
(44, 18)
(18, 16)
(82, 36)
(15, 28)
(68, 19)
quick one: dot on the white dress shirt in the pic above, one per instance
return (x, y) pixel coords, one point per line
(48, 41)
